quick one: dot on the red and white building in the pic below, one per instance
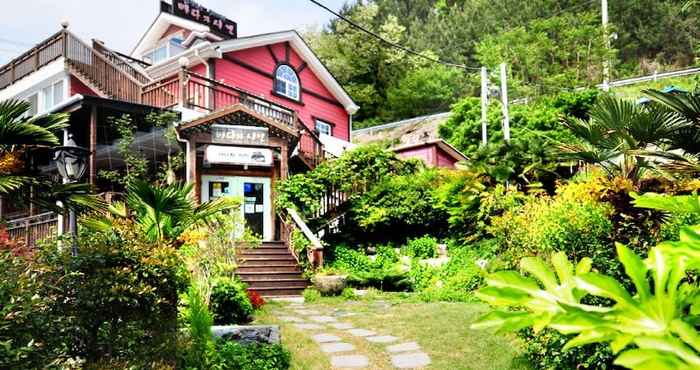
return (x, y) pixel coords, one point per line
(253, 108)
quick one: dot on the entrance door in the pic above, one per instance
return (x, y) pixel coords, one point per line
(256, 209)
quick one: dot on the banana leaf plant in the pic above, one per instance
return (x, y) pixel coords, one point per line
(653, 327)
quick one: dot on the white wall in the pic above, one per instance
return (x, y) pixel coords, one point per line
(36, 81)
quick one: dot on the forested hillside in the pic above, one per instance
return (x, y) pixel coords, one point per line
(549, 45)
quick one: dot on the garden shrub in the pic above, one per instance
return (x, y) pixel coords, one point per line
(546, 224)
(255, 356)
(348, 294)
(452, 282)
(311, 295)
(385, 272)
(230, 303)
(403, 204)
(544, 350)
(423, 247)
(117, 299)
(199, 321)
(255, 299)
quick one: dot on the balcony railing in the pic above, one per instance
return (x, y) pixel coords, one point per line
(197, 92)
(118, 80)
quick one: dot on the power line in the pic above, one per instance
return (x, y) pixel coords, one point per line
(393, 44)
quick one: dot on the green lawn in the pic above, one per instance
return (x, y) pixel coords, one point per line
(441, 329)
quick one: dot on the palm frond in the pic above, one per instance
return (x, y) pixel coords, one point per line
(10, 183)
(16, 129)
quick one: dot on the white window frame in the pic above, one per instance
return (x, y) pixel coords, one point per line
(46, 92)
(166, 42)
(37, 107)
(288, 82)
(322, 123)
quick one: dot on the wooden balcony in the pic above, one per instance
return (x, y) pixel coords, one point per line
(114, 76)
(102, 71)
(202, 94)
(33, 229)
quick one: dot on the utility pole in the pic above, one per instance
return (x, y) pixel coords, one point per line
(484, 104)
(606, 36)
(504, 102)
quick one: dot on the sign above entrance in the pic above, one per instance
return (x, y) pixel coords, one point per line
(242, 135)
(236, 155)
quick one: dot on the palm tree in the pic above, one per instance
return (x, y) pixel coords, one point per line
(623, 137)
(162, 213)
(20, 137)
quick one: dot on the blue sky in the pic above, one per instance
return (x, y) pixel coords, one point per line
(120, 23)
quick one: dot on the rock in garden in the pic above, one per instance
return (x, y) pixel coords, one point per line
(248, 334)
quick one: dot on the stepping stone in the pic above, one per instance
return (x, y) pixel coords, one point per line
(361, 332)
(341, 326)
(326, 338)
(322, 319)
(403, 347)
(291, 319)
(410, 360)
(307, 312)
(336, 347)
(308, 326)
(344, 314)
(350, 361)
(382, 339)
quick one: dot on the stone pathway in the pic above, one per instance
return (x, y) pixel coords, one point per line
(328, 333)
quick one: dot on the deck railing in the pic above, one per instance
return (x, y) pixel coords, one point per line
(119, 80)
(33, 228)
(200, 93)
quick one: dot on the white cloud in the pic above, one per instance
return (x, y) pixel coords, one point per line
(120, 23)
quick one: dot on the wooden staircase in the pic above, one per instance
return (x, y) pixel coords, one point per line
(271, 270)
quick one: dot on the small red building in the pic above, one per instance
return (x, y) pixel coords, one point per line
(414, 138)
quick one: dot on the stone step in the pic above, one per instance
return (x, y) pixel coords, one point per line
(278, 292)
(281, 249)
(268, 275)
(277, 283)
(278, 254)
(272, 269)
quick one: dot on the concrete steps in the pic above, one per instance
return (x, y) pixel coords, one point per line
(271, 270)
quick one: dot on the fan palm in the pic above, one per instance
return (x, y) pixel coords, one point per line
(623, 137)
(20, 137)
(161, 212)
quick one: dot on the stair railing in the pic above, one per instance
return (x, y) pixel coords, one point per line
(315, 251)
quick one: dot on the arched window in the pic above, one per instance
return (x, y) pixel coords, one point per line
(287, 82)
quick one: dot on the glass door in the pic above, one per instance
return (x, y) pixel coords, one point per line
(256, 209)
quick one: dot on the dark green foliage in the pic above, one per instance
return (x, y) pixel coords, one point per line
(531, 155)
(355, 172)
(117, 299)
(230, 303)
(384, 272)
(544, 350)
(234, 356)
(403, 204)
(423, 247)
(199, 321)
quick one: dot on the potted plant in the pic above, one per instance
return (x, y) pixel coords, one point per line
(330, 281)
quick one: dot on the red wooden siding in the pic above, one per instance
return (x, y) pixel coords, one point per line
(261, 83)
(429, 153)
(77, 87)
(444, 159)
(425, 153)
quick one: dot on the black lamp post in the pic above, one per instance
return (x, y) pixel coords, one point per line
(71, 161)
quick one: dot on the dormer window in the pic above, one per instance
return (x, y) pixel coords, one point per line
(287, 82)
(166, 48)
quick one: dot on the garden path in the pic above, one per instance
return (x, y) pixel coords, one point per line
(332, 335)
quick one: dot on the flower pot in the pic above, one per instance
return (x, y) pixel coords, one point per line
(330, 284)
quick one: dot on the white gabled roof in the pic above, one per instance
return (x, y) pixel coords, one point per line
(204, 50)
(164, 20)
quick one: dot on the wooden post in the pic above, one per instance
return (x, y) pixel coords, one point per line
(484, 105)
(93, 145)
(284, 161)
(192, 168)
(504, 101)
(182, 76)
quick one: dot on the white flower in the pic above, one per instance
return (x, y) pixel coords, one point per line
(482, 263)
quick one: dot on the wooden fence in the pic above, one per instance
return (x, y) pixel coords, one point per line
(33, 228)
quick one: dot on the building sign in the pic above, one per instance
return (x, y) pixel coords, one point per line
(242, 135)
(237, 155)
(219, 24)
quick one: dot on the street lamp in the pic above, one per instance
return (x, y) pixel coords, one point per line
(71, 161)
